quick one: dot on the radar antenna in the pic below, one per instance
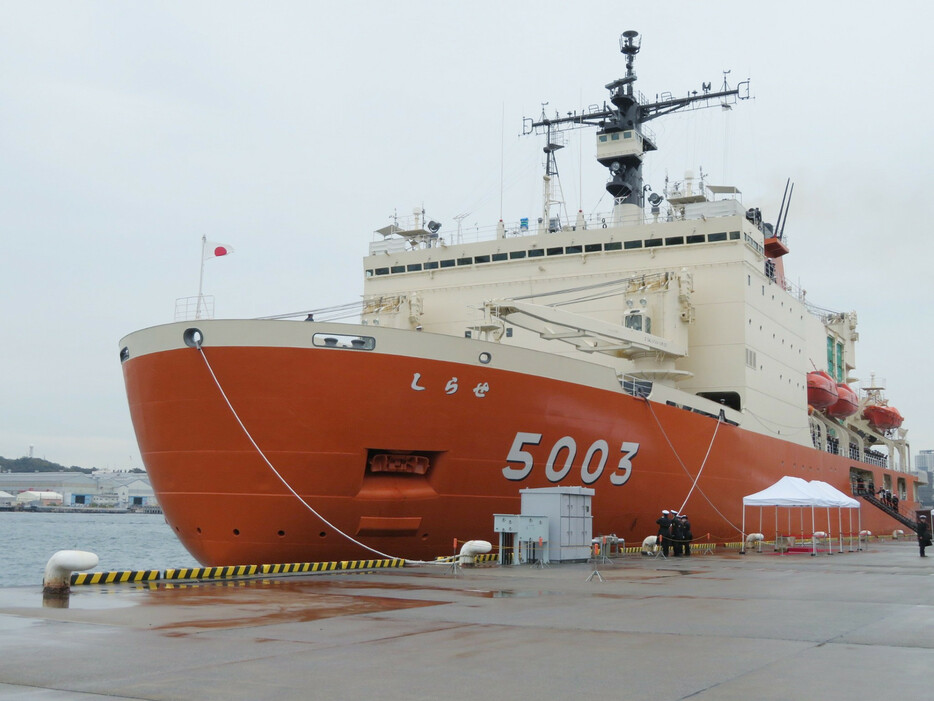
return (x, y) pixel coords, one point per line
(622, 141)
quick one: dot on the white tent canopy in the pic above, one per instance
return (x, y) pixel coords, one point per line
(838, 498)
(788, 491)
(796, 492)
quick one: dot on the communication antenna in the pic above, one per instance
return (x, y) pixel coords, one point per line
(626, 114)
(781, 232)
(460, 218)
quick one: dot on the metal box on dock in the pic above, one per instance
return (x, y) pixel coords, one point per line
(570, 519)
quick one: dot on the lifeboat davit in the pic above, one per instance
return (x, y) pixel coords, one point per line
(882, 417)
(847, 403)
(822, 390)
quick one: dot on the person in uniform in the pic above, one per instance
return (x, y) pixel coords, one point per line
(677, 542)
(924, 533)
(686, 535)
(664, 531)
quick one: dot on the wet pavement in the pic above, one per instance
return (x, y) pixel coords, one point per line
(723, 626)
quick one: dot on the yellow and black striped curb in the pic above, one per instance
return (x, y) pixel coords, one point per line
(486, 557)
(115, 577)
(229, 571)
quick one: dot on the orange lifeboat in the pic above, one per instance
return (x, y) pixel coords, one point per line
(846, 405)
(882, 417)
(822, 390)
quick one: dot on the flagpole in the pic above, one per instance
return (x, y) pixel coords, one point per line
(204, 240)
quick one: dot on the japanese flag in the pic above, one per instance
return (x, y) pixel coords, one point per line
(212, 249)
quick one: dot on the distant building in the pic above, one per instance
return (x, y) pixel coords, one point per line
(924, 466)
(31, 498)
(105, 489)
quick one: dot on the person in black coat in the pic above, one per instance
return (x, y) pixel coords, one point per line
(664, 531)
(924, 533)
(677, 540)
(686, 535)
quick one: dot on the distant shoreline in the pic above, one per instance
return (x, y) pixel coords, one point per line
(78, 510)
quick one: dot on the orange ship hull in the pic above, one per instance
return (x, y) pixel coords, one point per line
(321, 417)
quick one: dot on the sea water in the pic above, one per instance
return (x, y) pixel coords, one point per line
(121, 541)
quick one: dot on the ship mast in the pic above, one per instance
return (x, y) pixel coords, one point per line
(551, 171)
(621, 139)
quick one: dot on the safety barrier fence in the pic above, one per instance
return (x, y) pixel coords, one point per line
(228, 572)
(246, 571)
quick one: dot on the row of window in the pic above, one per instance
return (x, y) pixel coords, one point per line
(835, 366)
(556, 251)
(615, 136)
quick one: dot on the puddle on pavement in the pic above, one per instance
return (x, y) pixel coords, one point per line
(313, 608)
(510, 593)
(191, 607)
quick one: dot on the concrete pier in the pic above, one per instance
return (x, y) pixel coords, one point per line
(723, 626)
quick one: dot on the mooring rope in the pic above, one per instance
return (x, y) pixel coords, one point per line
(695, 480)
(282, 479)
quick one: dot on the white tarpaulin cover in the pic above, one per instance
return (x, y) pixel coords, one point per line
(789, 491)
(796, 492)
(839, 499)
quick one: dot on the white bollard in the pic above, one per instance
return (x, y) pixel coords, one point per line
(650, 545)
(57, 580)
(472, 548)
(753, 540)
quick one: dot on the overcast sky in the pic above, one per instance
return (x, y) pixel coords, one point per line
(293, 130)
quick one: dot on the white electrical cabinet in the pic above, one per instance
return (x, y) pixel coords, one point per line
(570, 519)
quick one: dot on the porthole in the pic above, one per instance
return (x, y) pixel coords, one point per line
(322, 534)
(236, 531)
(485, 358)
(198, 529)
(280, 533)
(193, 338)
